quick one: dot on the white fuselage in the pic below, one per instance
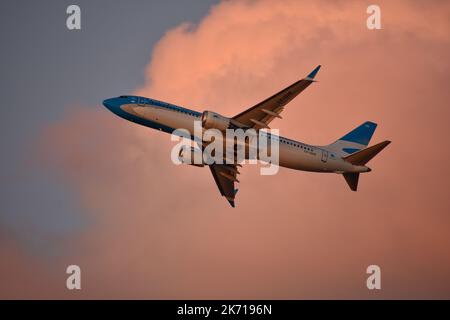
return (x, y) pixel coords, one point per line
(167, 117)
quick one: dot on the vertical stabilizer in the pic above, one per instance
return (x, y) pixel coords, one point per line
(355, 140)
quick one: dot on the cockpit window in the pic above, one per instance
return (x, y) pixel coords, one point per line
(124, 96)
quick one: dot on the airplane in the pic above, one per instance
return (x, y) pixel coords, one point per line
(347, 156)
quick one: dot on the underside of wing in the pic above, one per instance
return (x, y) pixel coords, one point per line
(225, 177)
(260, 115)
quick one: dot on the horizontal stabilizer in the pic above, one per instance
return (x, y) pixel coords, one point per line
(352, 180)
(360, 158)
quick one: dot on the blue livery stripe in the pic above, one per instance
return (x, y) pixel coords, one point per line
(350, 150)
(362, 134)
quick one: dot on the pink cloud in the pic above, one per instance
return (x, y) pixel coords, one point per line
(161, 231)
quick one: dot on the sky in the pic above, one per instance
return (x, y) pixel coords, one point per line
(82, 186)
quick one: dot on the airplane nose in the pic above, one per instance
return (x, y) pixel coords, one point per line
(108, 103)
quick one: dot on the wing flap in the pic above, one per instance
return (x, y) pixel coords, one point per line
(225, 177)
(264, 112)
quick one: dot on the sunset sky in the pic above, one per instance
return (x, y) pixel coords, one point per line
(82, 186)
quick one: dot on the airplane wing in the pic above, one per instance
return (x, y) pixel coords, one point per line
(225, 177)
(260, 115)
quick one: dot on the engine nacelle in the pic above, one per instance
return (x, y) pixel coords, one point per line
(191, 155)
(212, 120)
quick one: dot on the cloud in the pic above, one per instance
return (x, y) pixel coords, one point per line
(163, 231)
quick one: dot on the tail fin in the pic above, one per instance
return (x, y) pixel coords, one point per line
(355, 140)
(360, 158)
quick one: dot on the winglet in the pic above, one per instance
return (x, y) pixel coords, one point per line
(313, 73)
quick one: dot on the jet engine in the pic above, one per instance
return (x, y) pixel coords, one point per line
(191, 155)
(212, 120)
